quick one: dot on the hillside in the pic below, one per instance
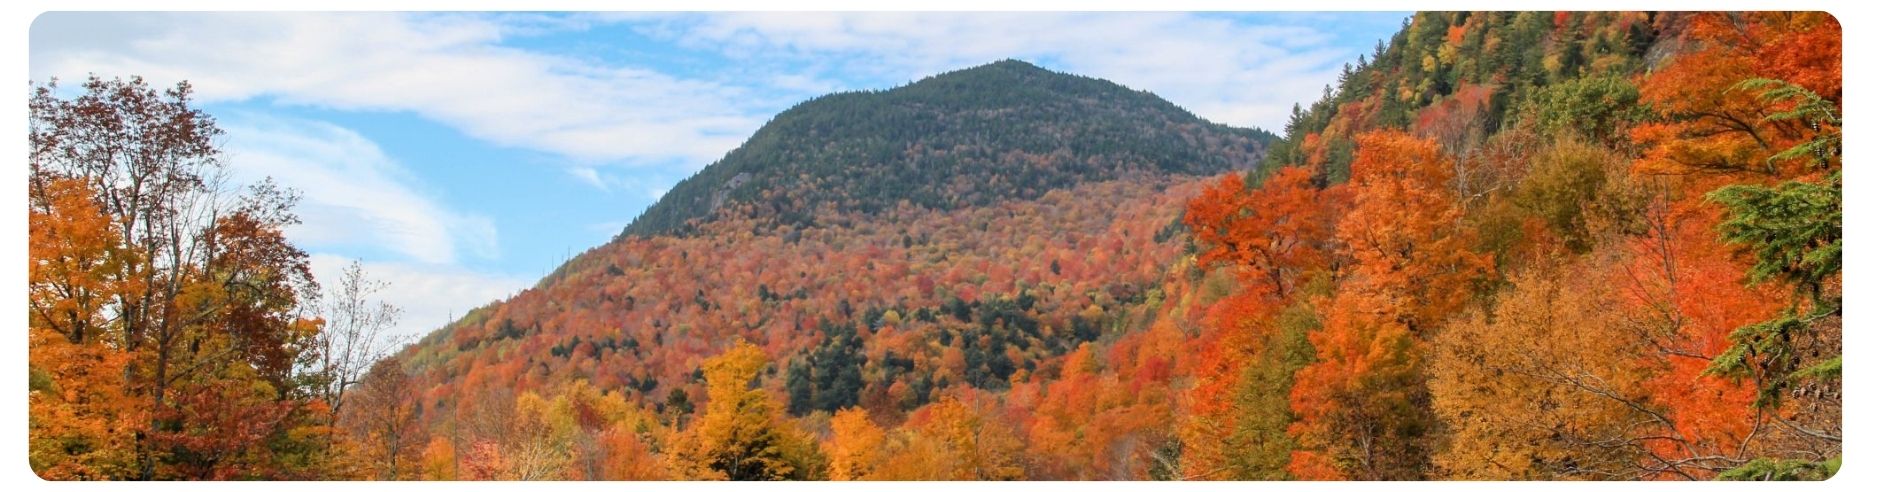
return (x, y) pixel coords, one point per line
(886, 315)
(883, 250)
(968, 138)
(1509, 245)
(1538, 245)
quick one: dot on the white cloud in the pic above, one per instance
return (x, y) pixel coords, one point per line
(448, 68)
(589, 176)
(1233, 72)
(457, 70)
(428, 295)
(357, 199)
(354, 196)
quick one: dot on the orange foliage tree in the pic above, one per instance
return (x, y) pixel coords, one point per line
(83, 414)
(1552, 386)
(1362, 403)
(1711, 123)
(1272, 238)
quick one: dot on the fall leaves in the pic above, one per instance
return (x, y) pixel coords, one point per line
(1620, 324)
(740, 435)
(892, 318)
(79, 396)
(1628, 276)
(1405, 262)
(1715, 124)
(172, 325)
(164, 307)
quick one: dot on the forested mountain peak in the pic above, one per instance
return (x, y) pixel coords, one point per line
(972, 137)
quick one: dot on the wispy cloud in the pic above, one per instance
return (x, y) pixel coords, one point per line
(452, 69)
(1243, 73)
(459, 70)
(588, 176)
(354, 196)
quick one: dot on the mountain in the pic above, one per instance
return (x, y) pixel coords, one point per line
(968, 138)
(884, 251)
(1005, 272)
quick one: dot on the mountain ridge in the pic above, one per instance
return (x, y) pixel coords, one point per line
(968, 137)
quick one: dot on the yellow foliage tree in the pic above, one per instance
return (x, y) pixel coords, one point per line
(437, 460)
(955, 440)
(856, 450)
(742, 434)
(1536, 392)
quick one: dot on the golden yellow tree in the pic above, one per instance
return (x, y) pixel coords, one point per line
(954, 439)
(856, 449)
(1546, 388)
(741, 434)
(437, 460)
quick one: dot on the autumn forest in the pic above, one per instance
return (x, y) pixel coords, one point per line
(1501, 246)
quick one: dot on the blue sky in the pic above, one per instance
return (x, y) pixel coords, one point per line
(462, 156)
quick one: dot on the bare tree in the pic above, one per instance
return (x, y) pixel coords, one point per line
(359, 333)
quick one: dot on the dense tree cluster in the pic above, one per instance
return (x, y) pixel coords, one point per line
(1573, 246)
(173, 332)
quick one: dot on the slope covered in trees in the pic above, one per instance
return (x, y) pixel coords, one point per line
(885, 315)
(1573, 246)
(1511, 245)
(968, 138)
(894, 256)
(1527, 245)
